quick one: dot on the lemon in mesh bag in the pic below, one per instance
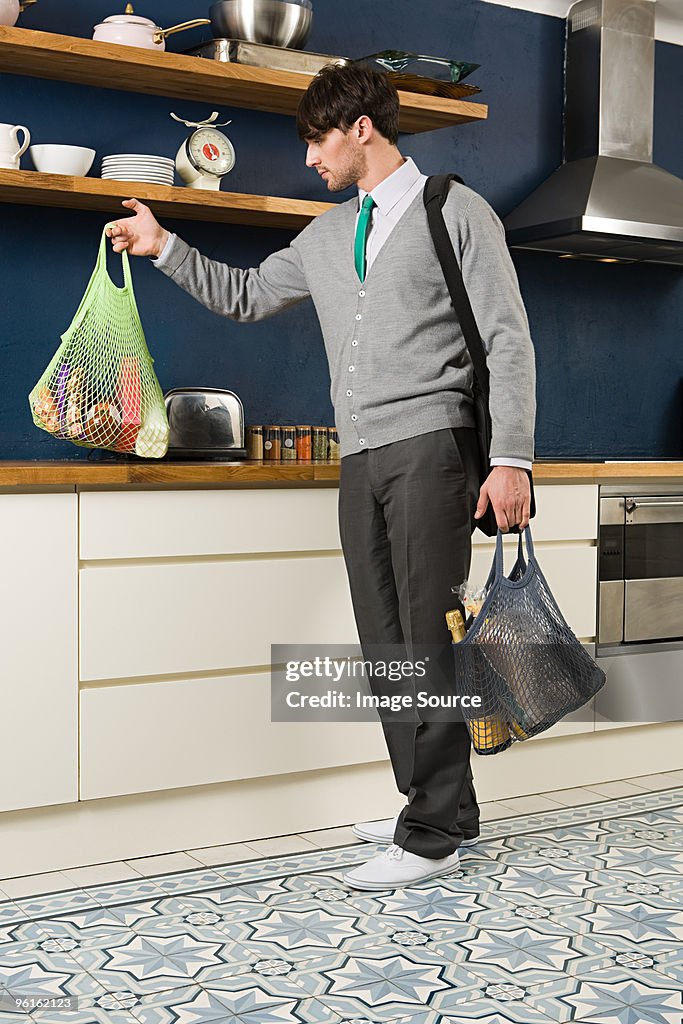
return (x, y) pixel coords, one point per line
(100, 389)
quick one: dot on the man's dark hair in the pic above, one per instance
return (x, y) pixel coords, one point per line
(339, 95)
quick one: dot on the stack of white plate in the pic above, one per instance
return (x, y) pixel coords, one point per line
(138, 167)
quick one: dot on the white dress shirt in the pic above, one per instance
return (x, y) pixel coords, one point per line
(392, 198)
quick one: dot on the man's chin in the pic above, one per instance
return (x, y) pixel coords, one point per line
(336, 186)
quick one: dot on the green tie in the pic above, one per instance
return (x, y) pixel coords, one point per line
(361, 236)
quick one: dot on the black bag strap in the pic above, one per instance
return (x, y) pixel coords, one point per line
(434, 196)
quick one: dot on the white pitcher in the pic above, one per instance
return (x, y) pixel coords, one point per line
(10, 150)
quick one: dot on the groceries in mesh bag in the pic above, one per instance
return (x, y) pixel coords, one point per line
(519, 656)
(489, 733)
(100, 389)
(472, 598)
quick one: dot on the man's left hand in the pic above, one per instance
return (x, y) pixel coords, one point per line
(508, 490)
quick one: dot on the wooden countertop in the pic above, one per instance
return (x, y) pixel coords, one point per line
(80, 473)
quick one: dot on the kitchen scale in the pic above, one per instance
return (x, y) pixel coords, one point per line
(206, 155)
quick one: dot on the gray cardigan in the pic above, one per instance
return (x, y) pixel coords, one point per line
(398, 361)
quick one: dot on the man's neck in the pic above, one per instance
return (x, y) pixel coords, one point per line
(376, 175)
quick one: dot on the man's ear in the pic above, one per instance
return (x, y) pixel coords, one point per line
(364, 127)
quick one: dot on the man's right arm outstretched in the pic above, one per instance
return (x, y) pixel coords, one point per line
(241, 295)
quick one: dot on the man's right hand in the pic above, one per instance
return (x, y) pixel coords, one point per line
(141, 235)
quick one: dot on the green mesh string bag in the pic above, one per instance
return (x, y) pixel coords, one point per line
(100, 389)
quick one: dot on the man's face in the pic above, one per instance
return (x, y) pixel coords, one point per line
(340, 159)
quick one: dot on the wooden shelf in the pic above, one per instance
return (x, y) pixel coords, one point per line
(133, 69)
(35, 189)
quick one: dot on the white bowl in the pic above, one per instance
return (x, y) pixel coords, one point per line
(62, 159)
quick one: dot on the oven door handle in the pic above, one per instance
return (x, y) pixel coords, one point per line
(631, 504)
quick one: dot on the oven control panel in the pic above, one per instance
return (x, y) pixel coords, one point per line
(611, 539)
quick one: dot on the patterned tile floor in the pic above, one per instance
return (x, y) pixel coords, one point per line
(573, 913)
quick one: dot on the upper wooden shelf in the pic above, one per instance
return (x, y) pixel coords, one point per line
(133, 69)
(62, 190)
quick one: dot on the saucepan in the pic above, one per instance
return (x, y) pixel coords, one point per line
(11, 9)
(132, 30)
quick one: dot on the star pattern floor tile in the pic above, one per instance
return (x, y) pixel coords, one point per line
(573, 914)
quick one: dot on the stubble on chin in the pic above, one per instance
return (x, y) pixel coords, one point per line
(337, 184)
(354, 170)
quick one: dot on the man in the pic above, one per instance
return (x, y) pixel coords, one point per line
(401, 386)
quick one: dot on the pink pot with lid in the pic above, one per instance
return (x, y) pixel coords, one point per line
(132, 30)
(11, 9)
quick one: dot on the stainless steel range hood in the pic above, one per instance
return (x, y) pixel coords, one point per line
(607, 201)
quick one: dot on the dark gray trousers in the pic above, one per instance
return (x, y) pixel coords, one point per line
(405, 515)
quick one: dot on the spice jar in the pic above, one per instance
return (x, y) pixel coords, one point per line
(288, 444)
(333, 441)
(319, 443)
(271, 443)
(303, 442)
(255, 442)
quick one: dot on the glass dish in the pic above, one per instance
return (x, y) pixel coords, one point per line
(436, 68)
(432, 86)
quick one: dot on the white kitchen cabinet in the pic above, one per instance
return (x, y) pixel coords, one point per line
(188, 732)
(200, 583)
(188, 617)
(205, 581)
(38, 650)
(158, 524)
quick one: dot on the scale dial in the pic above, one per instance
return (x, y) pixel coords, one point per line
(210, 152)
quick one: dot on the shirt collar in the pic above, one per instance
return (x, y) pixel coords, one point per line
(392, 188)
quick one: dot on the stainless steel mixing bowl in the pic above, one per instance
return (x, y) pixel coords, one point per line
(274, 22)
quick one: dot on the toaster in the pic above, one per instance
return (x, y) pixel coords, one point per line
(205, 423)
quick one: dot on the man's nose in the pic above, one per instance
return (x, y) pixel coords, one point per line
(310, 158)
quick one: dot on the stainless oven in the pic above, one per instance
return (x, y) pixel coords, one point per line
(640, 604)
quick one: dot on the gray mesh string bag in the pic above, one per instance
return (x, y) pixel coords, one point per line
(520, 657)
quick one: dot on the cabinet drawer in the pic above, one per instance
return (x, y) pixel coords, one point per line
(157, 524)
(157, 619)
(571, 575)
(38, 650)
(193, 732)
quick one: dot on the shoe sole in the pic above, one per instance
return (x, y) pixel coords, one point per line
(367, 837)
(375, 886)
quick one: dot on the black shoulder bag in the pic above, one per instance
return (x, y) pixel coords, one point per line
(435, 193)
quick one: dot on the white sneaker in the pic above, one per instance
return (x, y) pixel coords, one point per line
(383, 831)
(396, 867)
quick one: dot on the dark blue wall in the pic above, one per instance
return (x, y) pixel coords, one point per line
(608, 338)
